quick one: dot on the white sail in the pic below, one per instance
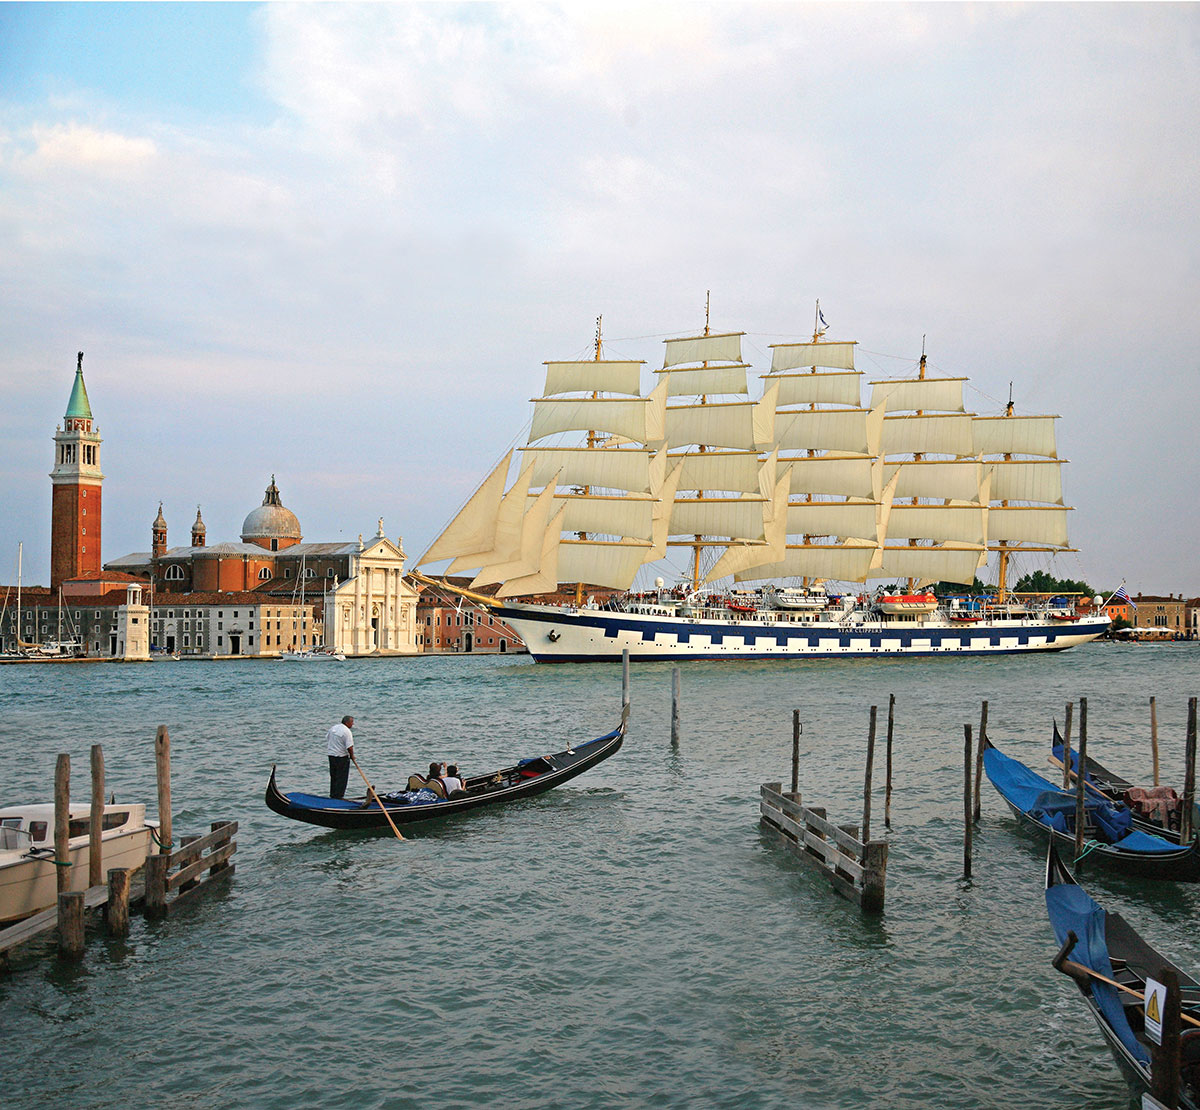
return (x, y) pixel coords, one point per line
(741, 557)
(833, 518)
(474, 526)
(1028, 524)
(926, 394)
(845, 562)
(630, 418)
(788, 356)
(632, 469)
(609, 515)
(1027, 480)
(506, 539)
(819, 389)
(720, 470)
(741, 425)
(1016, 435)
(848, 430)
(704, 348)
(528, 553)
(742, 518)
(601, 564)
(955, 480)
(945, 563)
(594, 375)
(834, 474)
(961, 523)
(694, 381)
(544, 580)
(662, 513)
(934, 435)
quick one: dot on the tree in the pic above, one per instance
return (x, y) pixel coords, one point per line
(1039, 582)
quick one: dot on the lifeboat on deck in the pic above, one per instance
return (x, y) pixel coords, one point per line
(907, 603)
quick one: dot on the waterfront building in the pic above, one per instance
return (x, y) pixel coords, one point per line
(75, 507)
(1160, 616)
(354, 593)
(449, 624)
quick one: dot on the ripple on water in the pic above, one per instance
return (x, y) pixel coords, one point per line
(632, 939)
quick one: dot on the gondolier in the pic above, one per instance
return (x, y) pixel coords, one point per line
(339, 744)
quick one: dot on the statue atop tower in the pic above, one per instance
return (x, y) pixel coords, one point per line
(75, 512)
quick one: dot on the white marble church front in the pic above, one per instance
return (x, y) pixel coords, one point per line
(374, 611)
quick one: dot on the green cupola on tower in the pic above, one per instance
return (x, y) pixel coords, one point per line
(78, 405)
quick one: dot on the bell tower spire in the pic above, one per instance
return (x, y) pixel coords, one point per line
(75, 512)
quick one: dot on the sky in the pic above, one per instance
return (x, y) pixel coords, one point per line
(335, 243)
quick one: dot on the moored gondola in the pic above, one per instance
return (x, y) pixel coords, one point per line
(1095, 943)
(1110, 838)
(521, 780)
(1155, 809)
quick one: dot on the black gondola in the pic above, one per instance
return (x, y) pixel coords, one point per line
(1105, 944)
(1111, 840)
(1112, 786)
(521, 780)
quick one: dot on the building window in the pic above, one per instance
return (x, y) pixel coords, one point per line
(265, 573)
(287, 572)
(174, 573)
(235, 612)
(250, 640)
(329, 572)
(310, 573)
(83, 531)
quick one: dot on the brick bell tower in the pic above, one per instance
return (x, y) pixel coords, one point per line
(75, 510)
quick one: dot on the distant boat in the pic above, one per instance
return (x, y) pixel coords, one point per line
(804, 482)
(1111, 839)
(28, 881)
(521, 780)
(1106, 945)
(313, 655)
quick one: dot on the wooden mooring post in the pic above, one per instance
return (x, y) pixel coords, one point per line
(96, 823)
(625, 677)
(887, 793)
(162, 773)
(1164, 1056)
(977, 808)
(797, 729)
(1154, 738)
(70, 924)
(62, 821)
(1186, 831)
(1081, 784)
(674, 706)
(966, 801)
(116, 909)
(1067, 747)
(866, 821)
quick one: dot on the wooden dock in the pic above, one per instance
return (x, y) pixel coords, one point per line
(168, 877)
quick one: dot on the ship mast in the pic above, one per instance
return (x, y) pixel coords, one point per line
(917, 455)
(1002, 545)
(696, 546)
(591, 442)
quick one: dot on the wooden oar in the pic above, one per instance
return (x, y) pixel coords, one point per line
(1071, 968)
(371, 791)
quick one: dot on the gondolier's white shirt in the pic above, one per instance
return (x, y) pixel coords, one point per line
(339, 740)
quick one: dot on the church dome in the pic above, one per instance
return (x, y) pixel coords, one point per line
(271, 521)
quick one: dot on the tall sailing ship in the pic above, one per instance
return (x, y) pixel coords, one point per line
(788, 494)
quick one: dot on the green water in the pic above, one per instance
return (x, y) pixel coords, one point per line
(631, 939)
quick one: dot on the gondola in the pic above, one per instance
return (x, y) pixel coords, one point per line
(1142, 804)
(522, 780)
(1111, 841)
(1105, 943)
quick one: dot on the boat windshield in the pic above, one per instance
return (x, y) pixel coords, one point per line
(10, 833)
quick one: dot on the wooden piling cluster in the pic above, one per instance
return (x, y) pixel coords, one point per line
(168, 876)
(854, 864)
(855, 869)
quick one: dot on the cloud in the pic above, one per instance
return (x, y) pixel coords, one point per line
(73, 146)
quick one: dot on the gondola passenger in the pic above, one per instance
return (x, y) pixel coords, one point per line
(452, 781)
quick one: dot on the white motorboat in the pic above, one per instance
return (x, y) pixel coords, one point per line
(313, 655)
(28, 880)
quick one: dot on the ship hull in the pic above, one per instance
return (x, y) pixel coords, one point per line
(557, 634)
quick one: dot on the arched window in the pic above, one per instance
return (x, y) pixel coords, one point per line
(174, 573)
(310, 573)
(265, 573)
